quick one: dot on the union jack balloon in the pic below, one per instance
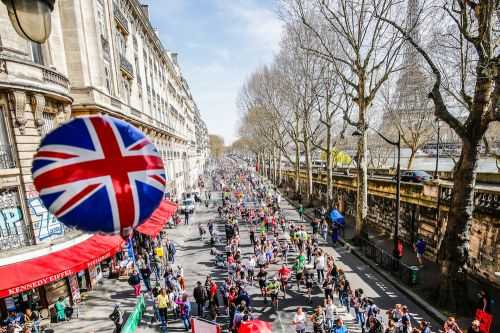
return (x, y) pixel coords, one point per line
(99, 173)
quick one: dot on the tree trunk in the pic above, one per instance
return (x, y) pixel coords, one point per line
(454, 251)
(412, 158)
(273, 172)
(307, 152)
(297, 166)
(362, 193)
(329, 183)
(280, 171)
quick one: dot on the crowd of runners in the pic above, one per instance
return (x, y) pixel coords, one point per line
(247, 200)
(288, 259)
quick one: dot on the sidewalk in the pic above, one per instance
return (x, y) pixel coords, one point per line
(94, 311)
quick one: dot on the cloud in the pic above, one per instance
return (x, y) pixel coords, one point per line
(259, 24)
(220, 42)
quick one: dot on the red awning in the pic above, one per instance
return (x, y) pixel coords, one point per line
(36, 272)
(158, 219)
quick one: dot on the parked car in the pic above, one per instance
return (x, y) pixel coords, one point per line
(187, 205)
(415, 176)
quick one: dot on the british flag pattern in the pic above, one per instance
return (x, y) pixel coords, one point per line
(99, 173)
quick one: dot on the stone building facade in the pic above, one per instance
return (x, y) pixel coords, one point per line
(102, 57)
(34, 98)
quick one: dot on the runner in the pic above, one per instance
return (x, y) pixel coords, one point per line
(284, 275)
(273, 289)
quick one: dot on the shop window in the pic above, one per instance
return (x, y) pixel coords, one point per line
(13, 231)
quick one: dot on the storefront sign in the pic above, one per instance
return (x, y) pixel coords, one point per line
(99, 259)
(39, 283)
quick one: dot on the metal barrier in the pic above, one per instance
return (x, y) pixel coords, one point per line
(135, 317)
(407, 274)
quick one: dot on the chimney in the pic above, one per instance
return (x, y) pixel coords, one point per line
(157, 32)
(145, 10)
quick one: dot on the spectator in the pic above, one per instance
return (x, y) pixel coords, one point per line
(339, 327)
(484, 303)
(135, 281)
(200, 296)
(451, 326)
(420, 250)
(117, 318)
(474, 328)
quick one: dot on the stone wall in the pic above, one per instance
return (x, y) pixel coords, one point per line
(419, 215)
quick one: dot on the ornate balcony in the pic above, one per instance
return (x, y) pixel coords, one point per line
(126, 67)
(18, 74)
(120, 19)
(54, 77)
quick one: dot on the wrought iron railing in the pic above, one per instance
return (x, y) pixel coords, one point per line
(120, 18)
(126, 66)
(54, 77)
(385, 260)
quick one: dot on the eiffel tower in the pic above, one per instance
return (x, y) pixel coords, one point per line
(410, 103)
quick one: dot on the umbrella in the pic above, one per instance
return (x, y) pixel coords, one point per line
(336, 217)
(255, 326)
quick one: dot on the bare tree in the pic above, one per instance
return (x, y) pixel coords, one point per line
(466, 66)
(409, 111)
(363, 51)
(379, 151)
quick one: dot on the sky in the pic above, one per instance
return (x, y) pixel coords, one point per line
(220, 43)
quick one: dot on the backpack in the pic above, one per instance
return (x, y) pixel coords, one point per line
(133, 280)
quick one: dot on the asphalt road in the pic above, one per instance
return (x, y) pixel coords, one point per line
(194, 256)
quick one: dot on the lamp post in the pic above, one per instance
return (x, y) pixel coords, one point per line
(31, 18)
(397, 144)
(436, 175)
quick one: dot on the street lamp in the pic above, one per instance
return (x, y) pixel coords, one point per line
(31, 18)
(436, 175)
(398, 180)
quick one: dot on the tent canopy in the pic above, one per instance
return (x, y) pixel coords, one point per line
(255, 326)
(158, 219)
(336, 217)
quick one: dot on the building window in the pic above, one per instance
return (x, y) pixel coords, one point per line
(107, 77)
(122, 43)
(101, 19)
(49, 122)
(126, 90)
(36, 50)
(6, 150)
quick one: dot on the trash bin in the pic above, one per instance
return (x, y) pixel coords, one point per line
(413, 275)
